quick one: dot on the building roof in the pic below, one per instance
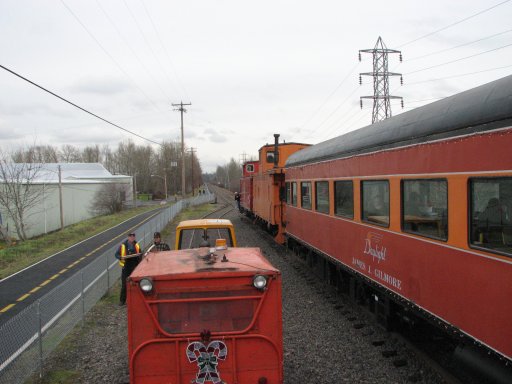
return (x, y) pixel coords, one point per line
(48, 173)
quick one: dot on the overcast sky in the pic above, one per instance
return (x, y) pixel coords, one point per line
(249, 68)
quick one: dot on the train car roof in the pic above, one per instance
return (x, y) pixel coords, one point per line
(187, 262)
(280, 144)
(482, 108)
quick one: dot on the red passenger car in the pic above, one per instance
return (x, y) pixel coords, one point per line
(205, 315)
(414, 214)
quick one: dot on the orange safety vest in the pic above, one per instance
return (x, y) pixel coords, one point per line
(123, 253)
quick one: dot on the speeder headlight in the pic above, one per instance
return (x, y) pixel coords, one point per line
(146, 285)
(259, 282)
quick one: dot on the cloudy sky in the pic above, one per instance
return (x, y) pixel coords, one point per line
(249, 68)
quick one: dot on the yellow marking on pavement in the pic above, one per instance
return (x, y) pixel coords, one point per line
(46, 282)
(6, 308)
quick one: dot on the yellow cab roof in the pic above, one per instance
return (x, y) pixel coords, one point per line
(186, 263)
(205, 223)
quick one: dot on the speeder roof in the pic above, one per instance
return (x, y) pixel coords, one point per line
(194, 261)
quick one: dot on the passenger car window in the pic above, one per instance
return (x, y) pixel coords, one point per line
(322, 196)
(294, 194)
(344, 198)
(425, 208)
(375, 201)
(490, 214)
(305, 194)
(288, 193)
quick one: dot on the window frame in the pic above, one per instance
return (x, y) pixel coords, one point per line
(294, 197)
(328, 196)
(363, 219)
(336, 213)
(402, 208)
(310, 208)
(470, 214)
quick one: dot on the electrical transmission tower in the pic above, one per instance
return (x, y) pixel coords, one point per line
(381, 96)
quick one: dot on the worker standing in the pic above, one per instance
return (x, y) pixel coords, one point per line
(129, 257)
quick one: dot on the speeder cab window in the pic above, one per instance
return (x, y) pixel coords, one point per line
(375, 204)
(490, 216)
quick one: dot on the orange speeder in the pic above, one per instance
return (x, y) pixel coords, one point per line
(205, 315)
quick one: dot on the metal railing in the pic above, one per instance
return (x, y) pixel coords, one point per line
(28, 338)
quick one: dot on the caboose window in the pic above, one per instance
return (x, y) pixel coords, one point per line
(344, 198)
(249, 168)
(425, 208)
(270, 156)
(305, 194)
(294, 194)
(322, 196)
(490, 214)
(375, 201)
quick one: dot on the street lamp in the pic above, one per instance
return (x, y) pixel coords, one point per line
(164, 178)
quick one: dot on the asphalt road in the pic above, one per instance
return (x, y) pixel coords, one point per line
(23, 288)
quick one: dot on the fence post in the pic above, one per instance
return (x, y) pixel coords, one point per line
(40, 337)
(82, 296)
(108, 273)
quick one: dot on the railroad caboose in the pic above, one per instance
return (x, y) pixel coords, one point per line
(268, 186)
(250, 168)
(205, 315)
(414, 214)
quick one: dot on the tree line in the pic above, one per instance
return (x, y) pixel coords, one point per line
(140, 161)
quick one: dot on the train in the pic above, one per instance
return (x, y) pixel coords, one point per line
(411, 216)
(205, 312)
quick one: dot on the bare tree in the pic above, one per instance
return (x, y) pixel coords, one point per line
(36, 154)
(91, 154)
(19, 193)
(108, 199)
(70, 154)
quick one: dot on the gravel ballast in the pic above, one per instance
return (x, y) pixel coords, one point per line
(327, 339)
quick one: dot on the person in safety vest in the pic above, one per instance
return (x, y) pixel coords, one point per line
(128, 248)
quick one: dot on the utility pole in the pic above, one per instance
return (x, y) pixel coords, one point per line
(181, 109)
(381, 97)
(192, 150)
(60, 198)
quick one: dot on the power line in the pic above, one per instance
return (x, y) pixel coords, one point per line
(330, 95)
(165, 50)
(460, 75)
(458, 46)
(460, 59)
(75, 105)
(108, 54)
(453, 24)
(134, 53)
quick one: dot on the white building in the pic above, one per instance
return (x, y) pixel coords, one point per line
(79, 182)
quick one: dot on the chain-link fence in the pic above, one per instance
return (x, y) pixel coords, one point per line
(30, 336)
